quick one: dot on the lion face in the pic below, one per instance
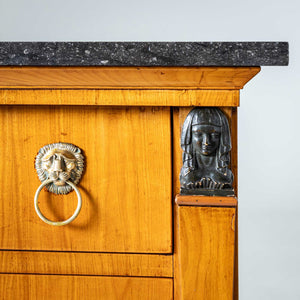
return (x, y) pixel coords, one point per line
(59, 162)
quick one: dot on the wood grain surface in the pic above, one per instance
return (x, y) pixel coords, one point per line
(55, 287)
(74, 263)
(181, 292)
(126, 188)
(196, 200)
(127, 77)
(121, 97)
(206, 238)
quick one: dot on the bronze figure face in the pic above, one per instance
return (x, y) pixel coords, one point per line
(206, 145)
(205, 139)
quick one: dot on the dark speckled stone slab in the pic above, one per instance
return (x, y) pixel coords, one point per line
(144, 54)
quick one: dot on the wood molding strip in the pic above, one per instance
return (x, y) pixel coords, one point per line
(206, 201)
(127, 77)
(121, 97)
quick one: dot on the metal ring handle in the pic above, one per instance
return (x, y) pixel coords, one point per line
(60, 223)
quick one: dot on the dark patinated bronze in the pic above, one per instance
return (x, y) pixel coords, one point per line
(206, 145)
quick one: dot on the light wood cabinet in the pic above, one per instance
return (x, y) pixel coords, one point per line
(135, 238)
(129, 227)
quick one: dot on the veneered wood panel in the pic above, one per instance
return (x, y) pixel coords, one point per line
(179, 115)
(126, 188)
(177, 157)
(121, 97)
(78, 263)
(127, 77)
(232, 116)
(234, 153)
(196, 200)
(205, 252)
(234, 168)
(54, 287)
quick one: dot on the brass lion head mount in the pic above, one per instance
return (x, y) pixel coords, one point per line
(59, 162)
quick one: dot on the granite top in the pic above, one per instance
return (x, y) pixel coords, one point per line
(189, 54)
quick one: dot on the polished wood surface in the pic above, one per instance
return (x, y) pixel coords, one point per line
(179, 115)
(236, 259)
(177, 157)
(234, 151)
(56, 287)
(206, 238)
(121, 97)
(127, 77)
(126, 188)
(234, 168)
(74, 263)
(121, 118)
(205, 200)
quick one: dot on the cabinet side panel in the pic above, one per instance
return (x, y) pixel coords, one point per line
(179, 115)
(206, 252)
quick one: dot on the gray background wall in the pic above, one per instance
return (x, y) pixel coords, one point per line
(269, 206)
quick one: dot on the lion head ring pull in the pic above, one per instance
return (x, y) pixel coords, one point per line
(59, 167)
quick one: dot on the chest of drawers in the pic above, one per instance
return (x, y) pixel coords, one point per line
(131, 239)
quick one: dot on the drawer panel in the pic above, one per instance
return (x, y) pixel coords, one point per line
(126, 187)
(80, 263)
(48, 287)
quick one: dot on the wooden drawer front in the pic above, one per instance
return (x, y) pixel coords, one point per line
(81, 263)
(126, 188)
(46, 287)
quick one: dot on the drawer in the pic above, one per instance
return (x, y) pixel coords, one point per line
(126, 185)
(48, 287)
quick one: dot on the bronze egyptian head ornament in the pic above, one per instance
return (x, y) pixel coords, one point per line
(206, 145)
